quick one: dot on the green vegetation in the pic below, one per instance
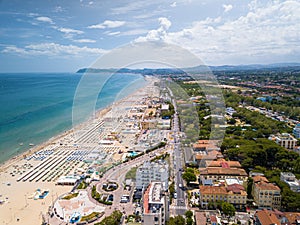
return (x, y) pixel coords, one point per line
(189, 217)
(228, 209)
(98, 197)
(82, 185)
(189, 175)
(169, 113)
(247, 144)
(171, 190)
(161, 157)
(113, 219)
(133, 219)
(91, 216)
(177, 220)
(180, 220)
(131, 174)
(70, 196)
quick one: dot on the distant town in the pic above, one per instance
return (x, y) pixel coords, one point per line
(174, 152)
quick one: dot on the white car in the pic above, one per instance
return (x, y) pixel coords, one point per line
(175, 195)
(180, 185)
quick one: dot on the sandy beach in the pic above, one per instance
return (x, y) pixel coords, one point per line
(42, 165)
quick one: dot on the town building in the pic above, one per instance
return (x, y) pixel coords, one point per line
(265, 194)
(291, 180)
(221, 173)
(266, 217)
(224, 164)
(203, 157)
(205, 145)
(284, 140)
(296, 131)
(150, 172)
(234, 194)
(155, 205)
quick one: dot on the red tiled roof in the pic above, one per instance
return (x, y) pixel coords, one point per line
(266, 186)
(213, 190)
(260, 178)
(223, 171)
(292, 217)
(235, 188)
(200, 218)
(267, 217)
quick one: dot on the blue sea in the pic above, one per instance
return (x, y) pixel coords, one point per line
(37, 106)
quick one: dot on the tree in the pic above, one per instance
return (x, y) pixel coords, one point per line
(189, 220)
(177, 220)
(189, 214)
(189, 177)
(228, 209)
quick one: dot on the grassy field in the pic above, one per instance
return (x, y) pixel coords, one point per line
(131, 173)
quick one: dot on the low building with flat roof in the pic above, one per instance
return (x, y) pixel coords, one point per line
(68, 180)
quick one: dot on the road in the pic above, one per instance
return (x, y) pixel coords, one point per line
(180, 202)
(117, 174)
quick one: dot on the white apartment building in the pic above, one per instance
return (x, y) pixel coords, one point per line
(150, 172)
(155, 205)
(284, 140)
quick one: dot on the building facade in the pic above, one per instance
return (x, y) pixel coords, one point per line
(284, 140)
(265, 194)
(155, 205)
(296, 131)
(234, 194)
(152, 171)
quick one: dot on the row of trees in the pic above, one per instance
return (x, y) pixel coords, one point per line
(180, 220)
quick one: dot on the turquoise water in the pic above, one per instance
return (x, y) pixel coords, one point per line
(35, 107)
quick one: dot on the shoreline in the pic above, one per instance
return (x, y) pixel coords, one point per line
(98, 113)
(22, 180)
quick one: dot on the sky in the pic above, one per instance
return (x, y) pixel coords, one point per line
(65, 35)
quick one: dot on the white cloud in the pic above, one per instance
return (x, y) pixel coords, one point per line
(158, 34)
(69, 30)
(227, 8)
(85, 41)
(52, 50)
(164, 22)
(112, 33)
(174, 4)
(108, 24)
(267, 30)
(44, 19)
